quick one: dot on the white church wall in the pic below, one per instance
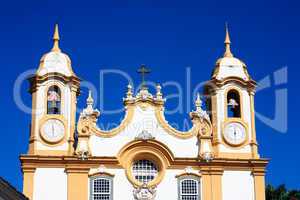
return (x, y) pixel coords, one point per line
(50, 184)
(143, 120)
(237, 185)
(168, 188)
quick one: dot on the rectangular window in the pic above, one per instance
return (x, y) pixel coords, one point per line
(188, 188)
(101, 188)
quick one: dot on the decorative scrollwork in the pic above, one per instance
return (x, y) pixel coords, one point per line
(144, 193)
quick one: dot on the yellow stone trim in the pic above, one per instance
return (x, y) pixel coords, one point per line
(130, 109)
(44, 140)
(155, 145)
(212, 182)
(101, 174)
(233, 155)
(253, 130)
(77, 179)
(244, 124)
(32, 147)
(189, 174)
(215, 122)
(249, 84)
(150, 150)
(113, 132)
(51, 152)
(28, 182)
(169, 129)
(34, 161)
(259, 183)
(74, 92)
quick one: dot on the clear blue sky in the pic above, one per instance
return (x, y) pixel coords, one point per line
(166, 35)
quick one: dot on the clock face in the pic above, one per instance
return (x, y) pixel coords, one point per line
(53, 130)
(235, 133)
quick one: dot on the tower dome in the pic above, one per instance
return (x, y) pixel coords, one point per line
(55, 61)
(228, 66)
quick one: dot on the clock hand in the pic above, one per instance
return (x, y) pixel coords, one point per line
(52, 130)
(234, 130)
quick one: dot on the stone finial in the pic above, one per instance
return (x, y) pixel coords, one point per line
(90, 100)
(159, 94)
(227, 43)
(198, 103)
(56, 39)
(89, 110)
(129, 93)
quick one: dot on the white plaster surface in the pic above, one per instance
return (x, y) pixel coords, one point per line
(50, 184)
(55, 62)
(237, 185)
(143, 120)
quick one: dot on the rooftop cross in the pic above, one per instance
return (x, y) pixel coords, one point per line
(143, 71)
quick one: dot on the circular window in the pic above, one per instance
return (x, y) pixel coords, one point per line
(144, 171)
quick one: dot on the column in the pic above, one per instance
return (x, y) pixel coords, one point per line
(212, 183)
(206, 185)
(216, 180)
(259, 183)
(253, 142)
(28, 182)
(77, 183)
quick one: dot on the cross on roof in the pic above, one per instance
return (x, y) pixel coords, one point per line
(143, 71)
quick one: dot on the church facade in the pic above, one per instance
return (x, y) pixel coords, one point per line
(144, 158)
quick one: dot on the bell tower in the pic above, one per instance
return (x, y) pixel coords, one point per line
(54, 89)
(231, 101)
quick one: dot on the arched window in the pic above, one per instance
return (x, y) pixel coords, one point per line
(233, 104)
(53, 100)
(189, 188)
(101, 188)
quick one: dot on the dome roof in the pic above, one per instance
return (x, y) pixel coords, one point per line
(55, 61)
(228, 65)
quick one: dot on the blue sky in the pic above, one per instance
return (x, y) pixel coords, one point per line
(168, 36)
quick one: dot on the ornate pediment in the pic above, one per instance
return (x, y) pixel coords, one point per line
(144, 99)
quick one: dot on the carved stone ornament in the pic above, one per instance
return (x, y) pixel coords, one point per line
(144, 135)
(144, 193)
(82, 155)
(207, 156)
(144, 96)
(199, 112)
(82, 149)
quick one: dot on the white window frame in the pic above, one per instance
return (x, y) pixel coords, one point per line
(104, 177)
(192, 178)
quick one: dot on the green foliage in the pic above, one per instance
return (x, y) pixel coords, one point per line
(281, 193)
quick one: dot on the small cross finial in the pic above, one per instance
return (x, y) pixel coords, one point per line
(143, 71)
(56, 39)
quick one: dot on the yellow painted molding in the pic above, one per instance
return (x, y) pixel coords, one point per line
(101, 174)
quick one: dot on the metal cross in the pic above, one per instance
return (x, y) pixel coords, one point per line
(143, 71)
